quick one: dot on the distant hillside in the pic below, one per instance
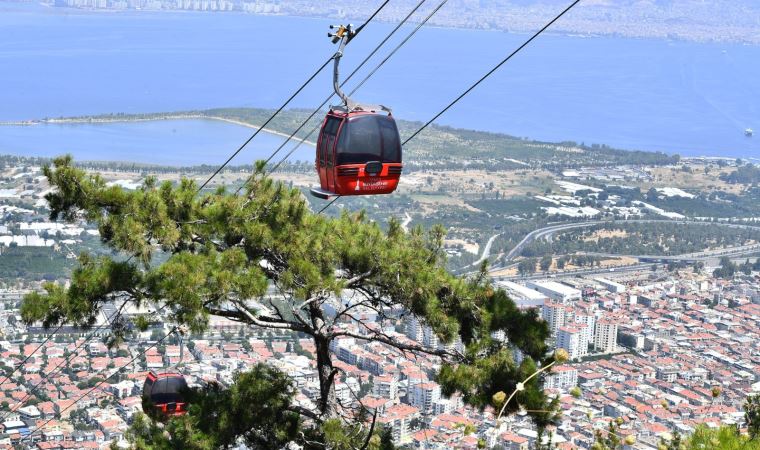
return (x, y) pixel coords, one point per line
(446, 147)
(440, 147)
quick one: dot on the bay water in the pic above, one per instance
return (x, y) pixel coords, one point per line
(679, 97)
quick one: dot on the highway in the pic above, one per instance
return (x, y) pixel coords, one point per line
(646, 260)
(542, 232)
(581, 272)
(548, 231)
(486, 250)
(689, 257)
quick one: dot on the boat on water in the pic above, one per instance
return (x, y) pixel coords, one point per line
(749, 132)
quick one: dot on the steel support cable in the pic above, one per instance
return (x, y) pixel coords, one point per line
(57, 369)
(81, 397)
(401, 44)
(483, 78)
(490, 72)
(258, 130)
(361, 83)
(40, 346)
(328, 205)
(329, 97)
(298, 91)
(24, 361)
(366, 59)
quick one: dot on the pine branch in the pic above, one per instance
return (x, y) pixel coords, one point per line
(385, 339)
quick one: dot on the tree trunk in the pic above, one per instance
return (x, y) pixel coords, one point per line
(328, 403)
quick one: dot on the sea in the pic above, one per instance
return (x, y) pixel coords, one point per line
(681, 97)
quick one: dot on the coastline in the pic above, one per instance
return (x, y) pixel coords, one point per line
(211, 115)
(161, 117)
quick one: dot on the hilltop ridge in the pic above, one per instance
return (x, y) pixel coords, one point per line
(439, 147)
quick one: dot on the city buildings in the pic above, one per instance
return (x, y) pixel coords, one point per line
(646, 349)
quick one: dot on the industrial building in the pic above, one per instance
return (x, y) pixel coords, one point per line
(523, 296)
(555, 291)
(611, 286)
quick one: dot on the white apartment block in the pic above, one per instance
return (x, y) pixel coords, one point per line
(562, 378)
(424, 396)
(414, 329)
(385, 386)
(586, 337)
(425, 335)
(554, 314)
(399, 418)
(605, 336)
(429, 338)
(442, 406)
(571, 339)
(587, 322)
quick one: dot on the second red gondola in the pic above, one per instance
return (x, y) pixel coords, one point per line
(166, 393)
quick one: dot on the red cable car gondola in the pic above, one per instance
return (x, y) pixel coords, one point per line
(165, 392)
(359, 148)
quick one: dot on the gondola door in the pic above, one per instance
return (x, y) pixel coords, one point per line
(326, 152)
(321, 157)
(330, 163)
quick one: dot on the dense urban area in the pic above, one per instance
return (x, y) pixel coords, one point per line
(646, 273)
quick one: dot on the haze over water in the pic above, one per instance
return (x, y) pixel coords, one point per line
(690, 98)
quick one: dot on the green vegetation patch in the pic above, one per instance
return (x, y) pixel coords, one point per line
(644, 238)
(515, 206)
(714, 204)
(746, 174)
(34, 263)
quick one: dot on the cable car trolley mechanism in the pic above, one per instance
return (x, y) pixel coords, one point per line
(359, 148)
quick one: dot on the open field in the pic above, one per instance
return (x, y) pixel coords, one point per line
(700, 179)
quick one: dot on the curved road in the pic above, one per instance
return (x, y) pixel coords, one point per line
(547, 231)
(406, 222)
(486, 250)
(550, 230)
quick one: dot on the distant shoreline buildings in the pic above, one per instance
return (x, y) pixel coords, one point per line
(711, 21)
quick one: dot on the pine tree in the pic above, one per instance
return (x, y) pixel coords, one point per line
(727, 437)
(386, 439)
(218, 254)
(752, 416)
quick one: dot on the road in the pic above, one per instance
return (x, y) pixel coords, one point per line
(581, 272)
(486, 250)
(647, 261)
(689, 257)
(548, 231)
(406, 222)
(541, 232)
